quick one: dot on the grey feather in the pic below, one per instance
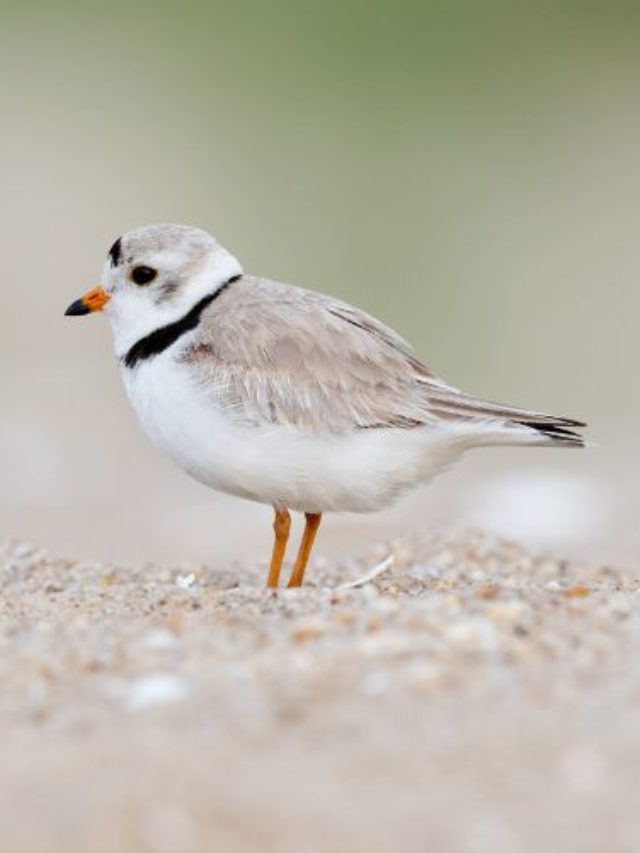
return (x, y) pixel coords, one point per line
(274, 353)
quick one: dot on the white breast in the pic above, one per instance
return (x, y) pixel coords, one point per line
(357, 472)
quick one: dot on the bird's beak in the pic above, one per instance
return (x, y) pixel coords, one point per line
(94, 300)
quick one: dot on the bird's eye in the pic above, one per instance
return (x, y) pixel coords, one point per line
(143, 275)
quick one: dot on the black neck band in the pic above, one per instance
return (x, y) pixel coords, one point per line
(156, 342)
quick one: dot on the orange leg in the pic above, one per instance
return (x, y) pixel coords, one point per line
(308, 537)
(281, 527)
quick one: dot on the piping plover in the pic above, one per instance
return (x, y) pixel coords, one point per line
(283, 395)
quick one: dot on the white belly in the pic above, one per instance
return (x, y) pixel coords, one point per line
(283, 466)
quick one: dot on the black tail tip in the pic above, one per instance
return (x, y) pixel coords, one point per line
(561, 432)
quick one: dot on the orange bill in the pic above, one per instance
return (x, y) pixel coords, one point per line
(94, 300)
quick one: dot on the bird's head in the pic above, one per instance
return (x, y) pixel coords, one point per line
(153, 275)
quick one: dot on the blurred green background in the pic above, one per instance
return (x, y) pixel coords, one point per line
(467, 171)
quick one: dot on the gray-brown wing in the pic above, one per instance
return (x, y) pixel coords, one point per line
(273, 353)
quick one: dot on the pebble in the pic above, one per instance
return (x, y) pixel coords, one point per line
(473, 635)
(158, 640)
(155, 689)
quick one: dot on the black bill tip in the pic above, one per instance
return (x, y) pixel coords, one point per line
(76, 309)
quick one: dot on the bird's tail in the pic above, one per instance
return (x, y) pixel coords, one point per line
(494, 423)
(552, 431)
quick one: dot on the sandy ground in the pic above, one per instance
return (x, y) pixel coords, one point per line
(471, 698)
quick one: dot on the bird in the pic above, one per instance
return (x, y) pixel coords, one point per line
(283, 395)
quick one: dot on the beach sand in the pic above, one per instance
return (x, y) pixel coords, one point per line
(471, 697)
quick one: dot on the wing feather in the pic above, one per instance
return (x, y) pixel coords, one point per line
(271, 353)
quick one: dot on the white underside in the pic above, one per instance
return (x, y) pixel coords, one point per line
(358, 472)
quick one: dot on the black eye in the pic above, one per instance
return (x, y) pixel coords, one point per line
(143, 275)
